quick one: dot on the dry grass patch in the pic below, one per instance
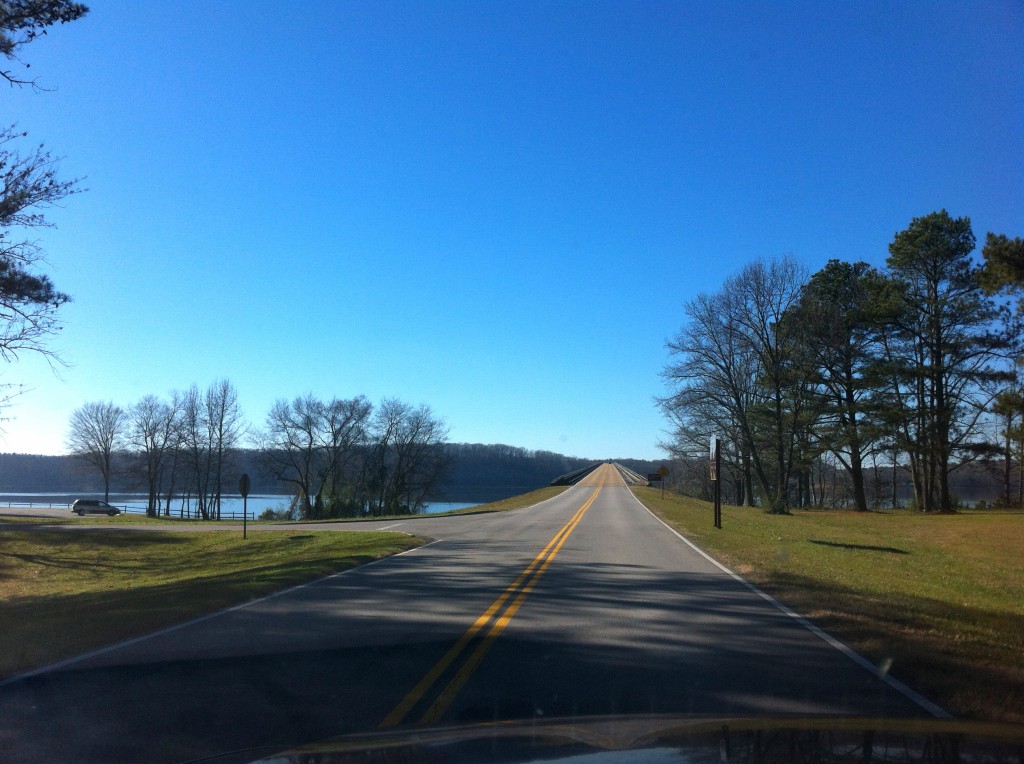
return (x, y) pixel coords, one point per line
(941, 598)
(514, 502)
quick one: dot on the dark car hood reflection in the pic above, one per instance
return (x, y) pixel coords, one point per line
(678, 740)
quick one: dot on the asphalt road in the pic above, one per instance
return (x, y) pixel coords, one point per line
(585, 604)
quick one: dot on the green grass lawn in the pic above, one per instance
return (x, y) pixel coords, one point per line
(63, 593)
(940, 597)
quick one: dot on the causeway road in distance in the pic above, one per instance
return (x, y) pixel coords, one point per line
(583, 605)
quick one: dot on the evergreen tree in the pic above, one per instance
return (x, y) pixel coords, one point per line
(942, 353)
(842, 312)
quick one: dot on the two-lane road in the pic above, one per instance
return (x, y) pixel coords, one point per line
(585, 604)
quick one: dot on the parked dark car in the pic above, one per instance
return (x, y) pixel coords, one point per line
(93, 507)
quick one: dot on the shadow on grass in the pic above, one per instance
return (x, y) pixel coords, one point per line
(127, 561)
(965, 658)
(93, 538)
(10, 516)
(860, 547)
(48, 627)
(77, 551)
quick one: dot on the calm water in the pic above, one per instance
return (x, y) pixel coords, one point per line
(230, 506)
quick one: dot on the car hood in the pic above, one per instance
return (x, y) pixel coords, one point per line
(679, 740)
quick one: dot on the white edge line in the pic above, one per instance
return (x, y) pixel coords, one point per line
(849, 652)
(185, 624)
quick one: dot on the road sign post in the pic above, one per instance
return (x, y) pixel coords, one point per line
(658, 477)
(716, 482)
(243, 488)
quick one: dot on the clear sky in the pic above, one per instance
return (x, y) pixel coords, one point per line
(497, 209)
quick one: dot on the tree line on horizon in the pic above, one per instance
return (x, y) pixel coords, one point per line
(339, 457)
(477, 472)
(802, 376)
(336, 457)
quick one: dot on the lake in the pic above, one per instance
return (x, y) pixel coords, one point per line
(231, 506)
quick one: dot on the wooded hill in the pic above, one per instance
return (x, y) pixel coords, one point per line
(476, 472)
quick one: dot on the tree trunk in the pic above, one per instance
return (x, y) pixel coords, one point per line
(748, 480)
(860, 500)
(895, 483)
(1006, 462)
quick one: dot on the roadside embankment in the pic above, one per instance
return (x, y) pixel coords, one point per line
(938, 600)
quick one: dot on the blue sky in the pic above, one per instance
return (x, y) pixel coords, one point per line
(496, 209)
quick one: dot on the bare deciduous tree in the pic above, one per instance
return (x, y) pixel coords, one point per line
(406, 459)
(291, 447)
(736, 375)
(154, 429)
(212, 426)
(226, 426)
(312, 445)
(346, 433)
(715, 381)
(95, 432)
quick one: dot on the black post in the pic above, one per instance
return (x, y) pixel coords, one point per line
(718, 503)
(243, 488)
(717, 471)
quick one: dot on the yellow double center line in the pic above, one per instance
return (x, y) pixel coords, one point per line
(517, 592)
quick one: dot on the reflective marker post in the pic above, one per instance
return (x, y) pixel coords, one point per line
(243, 488)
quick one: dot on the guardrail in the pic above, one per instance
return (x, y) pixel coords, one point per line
(631, 477)
(571, 478)
(175, 514)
